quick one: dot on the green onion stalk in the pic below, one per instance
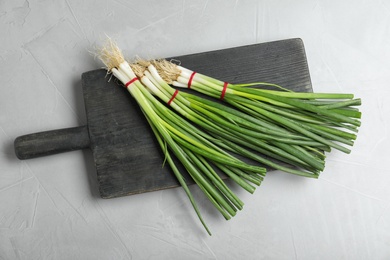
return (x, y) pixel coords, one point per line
(197, 150)
(326, 119)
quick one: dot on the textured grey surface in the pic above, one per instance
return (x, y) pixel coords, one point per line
(49, 207)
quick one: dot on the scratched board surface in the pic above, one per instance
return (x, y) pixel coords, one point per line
(127, 157)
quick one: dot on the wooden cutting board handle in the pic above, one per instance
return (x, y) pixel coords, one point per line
(51, 142)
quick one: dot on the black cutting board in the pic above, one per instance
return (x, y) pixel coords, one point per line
(127, 157)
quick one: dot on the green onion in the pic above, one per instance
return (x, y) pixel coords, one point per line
(279, 128)
(316, 116)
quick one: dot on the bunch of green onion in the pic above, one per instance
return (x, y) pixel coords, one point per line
(279, 129)
(317, 121)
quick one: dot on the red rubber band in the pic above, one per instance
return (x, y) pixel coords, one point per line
(131, 82)
(224, 90)
(190, 80)
(173, 97)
